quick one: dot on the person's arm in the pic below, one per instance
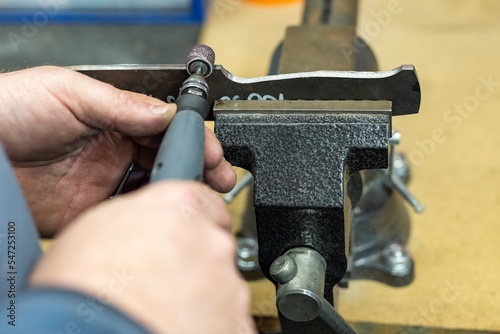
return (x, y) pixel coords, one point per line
(41, 310)
(62, 311)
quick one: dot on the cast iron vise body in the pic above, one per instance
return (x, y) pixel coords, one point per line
(301, 154)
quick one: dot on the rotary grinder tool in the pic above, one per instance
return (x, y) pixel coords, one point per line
(182, 151)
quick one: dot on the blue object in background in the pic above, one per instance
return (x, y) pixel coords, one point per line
(112, 12)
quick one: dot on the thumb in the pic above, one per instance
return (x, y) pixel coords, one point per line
(104, 107)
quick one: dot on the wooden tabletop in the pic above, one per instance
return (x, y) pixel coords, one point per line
(453, 145)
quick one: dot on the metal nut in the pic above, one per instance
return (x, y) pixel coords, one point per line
(248, 254)
(396, 259)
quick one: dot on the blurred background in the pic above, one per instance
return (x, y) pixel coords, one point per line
(453, 144)
(76, 32)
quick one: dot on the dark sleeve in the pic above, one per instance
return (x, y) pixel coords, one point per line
(51, 311)
(54, 311)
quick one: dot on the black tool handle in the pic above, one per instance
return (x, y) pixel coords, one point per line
(182, 151)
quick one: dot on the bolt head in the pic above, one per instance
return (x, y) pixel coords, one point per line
(283, 269)
(397, 259)
(402, 168)
(248, 254)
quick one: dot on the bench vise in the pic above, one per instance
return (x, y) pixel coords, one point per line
(317, 142)
(304, 137)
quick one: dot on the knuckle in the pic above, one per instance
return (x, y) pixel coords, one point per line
(176, 192)
(123, 100)
(122, 97)
(186, 193)
(54, 77)
(54, 69)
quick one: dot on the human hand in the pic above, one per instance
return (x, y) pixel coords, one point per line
(70, 139)
(171, 245)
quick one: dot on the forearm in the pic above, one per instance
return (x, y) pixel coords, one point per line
(41, 310)
(20, 249)
(62, 311)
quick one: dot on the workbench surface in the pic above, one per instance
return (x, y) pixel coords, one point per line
(453, 144)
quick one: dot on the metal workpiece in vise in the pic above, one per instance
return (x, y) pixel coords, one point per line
(316, 137)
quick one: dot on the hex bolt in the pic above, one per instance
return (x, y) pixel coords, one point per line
(283, 269)
(399, 173)
(393, 141)
(248, 254)
(401, 168)
(396, 259)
